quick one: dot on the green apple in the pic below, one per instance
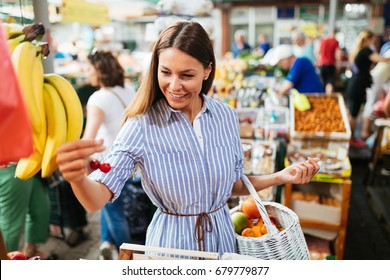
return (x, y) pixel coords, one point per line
(240, 221)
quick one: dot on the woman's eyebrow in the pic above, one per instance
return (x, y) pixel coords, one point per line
(183, 71)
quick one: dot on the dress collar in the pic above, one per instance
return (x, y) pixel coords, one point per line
(166, 111)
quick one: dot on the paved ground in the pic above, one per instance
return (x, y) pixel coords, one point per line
(368, 234)
(87, 249)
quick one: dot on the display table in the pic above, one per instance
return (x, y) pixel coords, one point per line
(339, 226)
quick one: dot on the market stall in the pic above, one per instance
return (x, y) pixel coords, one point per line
(268, 121)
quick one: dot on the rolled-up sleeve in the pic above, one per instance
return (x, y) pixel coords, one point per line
(123, 155)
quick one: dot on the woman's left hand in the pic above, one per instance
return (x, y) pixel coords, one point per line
(300, 173)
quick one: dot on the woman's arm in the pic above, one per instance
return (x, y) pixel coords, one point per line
(73, 161)
(376, 57)
(95, 117)
(285, 87)
(300, 173)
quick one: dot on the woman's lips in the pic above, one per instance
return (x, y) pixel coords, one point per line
(177, 96)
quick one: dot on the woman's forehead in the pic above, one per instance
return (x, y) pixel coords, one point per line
(177, 59)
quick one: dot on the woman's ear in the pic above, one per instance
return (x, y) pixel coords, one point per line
(208, 69)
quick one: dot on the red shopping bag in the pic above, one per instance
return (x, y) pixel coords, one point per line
(15, 127)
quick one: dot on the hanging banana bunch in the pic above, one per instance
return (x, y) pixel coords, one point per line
(53, 105)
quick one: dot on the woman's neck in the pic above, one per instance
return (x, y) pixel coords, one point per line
(194, 110)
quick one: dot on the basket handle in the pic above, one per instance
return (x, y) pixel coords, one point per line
(271, 229)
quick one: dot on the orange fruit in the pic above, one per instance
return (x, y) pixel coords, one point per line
(248, 232)
(250, 223)
(240, 221)
(260, 222)
(249, 208)
(257, 230)
(264, 229)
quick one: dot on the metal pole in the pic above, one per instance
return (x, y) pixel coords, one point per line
(41, 14)
(332, 15)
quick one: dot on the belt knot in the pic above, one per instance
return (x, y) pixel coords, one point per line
(203, 224)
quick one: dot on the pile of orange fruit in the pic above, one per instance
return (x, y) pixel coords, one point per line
(248, 221)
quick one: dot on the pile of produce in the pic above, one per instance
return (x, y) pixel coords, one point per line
(248, 221)
(53, 105)
(323, 116)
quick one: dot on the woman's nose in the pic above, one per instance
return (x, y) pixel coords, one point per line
(175, 84)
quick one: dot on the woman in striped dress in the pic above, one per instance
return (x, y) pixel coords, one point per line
(186, 145)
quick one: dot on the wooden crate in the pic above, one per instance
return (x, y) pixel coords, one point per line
(321, 139)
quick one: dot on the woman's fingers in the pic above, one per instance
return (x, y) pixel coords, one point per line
(80, 145)
(314, 162)
(306, 170)
(78, 164)
(78, 149)
(73, 158)
(73, 176)
(311, 168)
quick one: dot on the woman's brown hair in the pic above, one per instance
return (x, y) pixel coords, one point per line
(188, 37)
(109, 72)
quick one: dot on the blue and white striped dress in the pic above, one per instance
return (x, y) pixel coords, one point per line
(178, 175)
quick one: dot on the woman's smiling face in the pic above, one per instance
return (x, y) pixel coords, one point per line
(180, 78)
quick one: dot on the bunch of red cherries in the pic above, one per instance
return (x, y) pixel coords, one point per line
(104, 167)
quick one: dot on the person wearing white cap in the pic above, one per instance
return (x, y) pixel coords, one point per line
(301, 72)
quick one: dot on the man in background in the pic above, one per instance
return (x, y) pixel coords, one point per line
(301, 72)
(239, 45)
(329, 57)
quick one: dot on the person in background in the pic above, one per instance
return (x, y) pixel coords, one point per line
(302, 45)
(105, 112)
(24, 203)
(240, 44)
(384, 48)
(68, 217)
(264, 45)
(380, 82)
(186, 144)
(361, 58)
(301, 73)
(329, 59)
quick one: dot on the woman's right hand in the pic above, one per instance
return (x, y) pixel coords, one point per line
(73, 158)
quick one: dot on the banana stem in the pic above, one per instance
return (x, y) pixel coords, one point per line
(43, 49)
(32, 31)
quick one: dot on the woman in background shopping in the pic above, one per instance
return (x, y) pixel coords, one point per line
(186, 145)
(361, 58)
(105, 113)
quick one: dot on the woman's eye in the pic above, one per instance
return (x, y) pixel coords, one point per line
(188, 76)
(165, 72)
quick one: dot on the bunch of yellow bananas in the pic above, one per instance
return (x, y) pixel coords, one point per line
(54, 108)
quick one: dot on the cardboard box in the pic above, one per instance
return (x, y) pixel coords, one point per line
(316, 212)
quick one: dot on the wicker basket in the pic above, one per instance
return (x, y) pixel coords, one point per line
(289, 244)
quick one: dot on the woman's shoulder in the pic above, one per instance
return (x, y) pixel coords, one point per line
(127, 92)
(100, 94)
(366, 51)
(219, 107)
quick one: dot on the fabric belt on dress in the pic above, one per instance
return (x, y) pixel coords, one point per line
(203, 224)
